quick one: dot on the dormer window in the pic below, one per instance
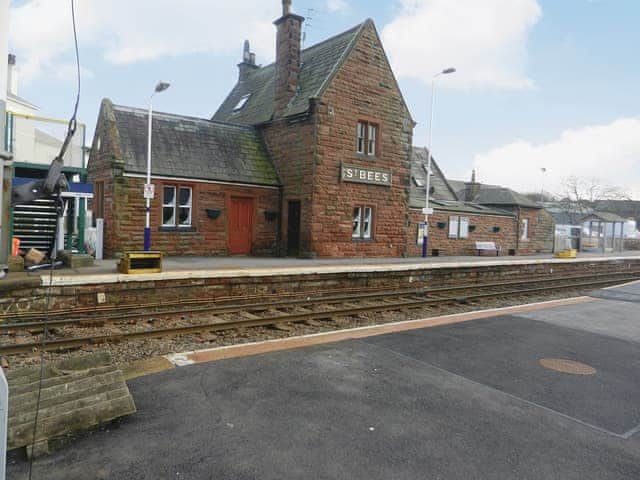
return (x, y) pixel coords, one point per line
(241, 103)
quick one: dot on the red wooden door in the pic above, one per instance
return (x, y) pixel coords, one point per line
(240, 225)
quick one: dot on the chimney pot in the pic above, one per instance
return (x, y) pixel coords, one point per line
(472, 188)
(288, 40)
(248, 63)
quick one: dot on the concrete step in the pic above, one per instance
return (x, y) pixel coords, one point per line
(77, 394)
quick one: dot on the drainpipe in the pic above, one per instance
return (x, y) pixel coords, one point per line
(518, 230)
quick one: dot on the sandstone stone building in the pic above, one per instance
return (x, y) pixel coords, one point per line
(309, 156)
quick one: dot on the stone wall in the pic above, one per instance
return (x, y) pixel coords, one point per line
(439, 239)
(291, 143)
(124, 206)
(364, 89)
(541, 231)
(31, 298)
(208, 236)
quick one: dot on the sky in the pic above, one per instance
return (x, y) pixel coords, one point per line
(540, 84)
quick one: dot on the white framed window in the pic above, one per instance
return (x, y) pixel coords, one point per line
(185, 203)
(371, 139)
(362, 227)
(177, 206)
(454, 223)
(524, 234)
(458, 227)
(464, 228)
(169, 206)
(362, 135)
(367, 219)
(357, 218)
(367, 138)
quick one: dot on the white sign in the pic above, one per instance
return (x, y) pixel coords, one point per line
(421, 233)
(351, 173)
(427, 211)
(149, 191)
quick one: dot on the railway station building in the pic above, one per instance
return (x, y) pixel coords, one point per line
(309, 156)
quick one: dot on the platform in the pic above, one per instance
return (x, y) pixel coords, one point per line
(177, 268)
(462, 400)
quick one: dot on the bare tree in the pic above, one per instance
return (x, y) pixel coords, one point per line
(582, 194)
(540, 196)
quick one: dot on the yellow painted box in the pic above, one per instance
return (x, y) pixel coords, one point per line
(141, 262)
(567, 254)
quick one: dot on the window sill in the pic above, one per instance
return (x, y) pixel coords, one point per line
(364, 156)
(177, 229)
(363, 240)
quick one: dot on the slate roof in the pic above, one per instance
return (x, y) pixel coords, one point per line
(604, 216)
(195, 148)
(496, 195)
(440, 188)
(319, 63)
(443, 196)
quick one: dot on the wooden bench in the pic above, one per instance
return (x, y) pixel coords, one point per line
(487, 247)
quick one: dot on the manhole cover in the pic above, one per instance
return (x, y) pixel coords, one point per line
(567, 366)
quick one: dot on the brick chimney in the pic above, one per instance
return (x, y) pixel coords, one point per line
(248, 63)
(472, 188)
(287, 57)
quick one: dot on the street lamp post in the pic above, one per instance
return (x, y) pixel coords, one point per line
(428, 211)
(543, 170)
(148, 188)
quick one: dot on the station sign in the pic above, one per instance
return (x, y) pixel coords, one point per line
(372, 176)
(149, 191)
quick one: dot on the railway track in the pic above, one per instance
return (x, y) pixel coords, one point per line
(224, 315)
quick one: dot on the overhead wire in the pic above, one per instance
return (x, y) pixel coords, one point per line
(71, 130)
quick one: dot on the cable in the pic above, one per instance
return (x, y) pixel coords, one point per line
(71, 130)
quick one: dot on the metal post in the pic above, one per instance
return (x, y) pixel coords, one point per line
(81, 225)
(425, 239)
(60, 239)
(147, 225)
(99, 238)
(428, 211)
(5, 159)
(4, 421)
(148, 191)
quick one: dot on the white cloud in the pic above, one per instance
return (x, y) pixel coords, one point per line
(129, 31)
(337, 5)
(485, 40)
(610, 153)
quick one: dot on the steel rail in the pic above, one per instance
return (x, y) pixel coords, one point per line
(66, 343)
(31, 321)
(308, 301)
(228, 299)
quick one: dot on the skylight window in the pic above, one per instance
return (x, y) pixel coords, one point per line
(426, 168)
(241, 103)
(418, 181)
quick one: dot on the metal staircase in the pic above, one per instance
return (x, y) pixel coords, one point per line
(34, 224)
